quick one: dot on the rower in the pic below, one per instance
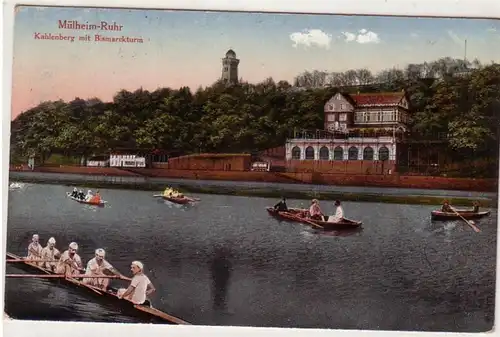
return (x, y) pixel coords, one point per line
(446, 208)
(281, 206)
(34, 249)
(315, 210)
(49, 255)
(99, 266)
(81, 195)
(140, 286)
(70, 262)
(74, 194)
(89, 195)
(475, 207)
(339, 213)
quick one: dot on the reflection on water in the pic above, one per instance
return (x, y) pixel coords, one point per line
(401, 271)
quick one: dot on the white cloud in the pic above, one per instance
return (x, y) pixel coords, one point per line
(414, 35)
(363, 36)
(311, 37)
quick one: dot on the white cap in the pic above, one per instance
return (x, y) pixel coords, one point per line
(35, 236)
(89, 191)
(138, 264)
(100, 252)
(52, 240)
(73, 245)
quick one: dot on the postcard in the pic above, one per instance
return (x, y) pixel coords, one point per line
(249, 169)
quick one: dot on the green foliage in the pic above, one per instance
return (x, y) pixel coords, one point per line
(251, 117)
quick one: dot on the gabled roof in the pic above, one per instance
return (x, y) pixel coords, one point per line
(380, 98)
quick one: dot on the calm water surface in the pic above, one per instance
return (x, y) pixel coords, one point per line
(224, 261)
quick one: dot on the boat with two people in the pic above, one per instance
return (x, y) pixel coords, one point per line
(94, 280)
(90, 198)
(314, 216)
(449, 213)
(176, 197)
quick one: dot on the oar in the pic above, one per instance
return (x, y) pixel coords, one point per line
(304, 220)
(62, 276)
(21, 260)
(477, 230)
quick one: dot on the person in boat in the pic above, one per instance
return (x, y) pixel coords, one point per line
(475, 207)
(50, 254)
(96, 198)
(140, 286)
(88, 196)
(339, 213)
(281, 206)
(34, 249)
(81, 195)
(315, 211)
(74, 194)
(446, 208)
(99, 266)
(70, 262)
(168, 192)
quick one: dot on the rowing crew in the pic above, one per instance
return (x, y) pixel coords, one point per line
(70, 264)
(314, 211)
(90, 197)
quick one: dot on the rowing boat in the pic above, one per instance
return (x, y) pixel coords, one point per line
(445, 216)
(126, 307)
(100, 204)
(297, 215)
(176, 200)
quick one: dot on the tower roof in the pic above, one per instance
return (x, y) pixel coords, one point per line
(230, 53)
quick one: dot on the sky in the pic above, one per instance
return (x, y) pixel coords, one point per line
(183, 48)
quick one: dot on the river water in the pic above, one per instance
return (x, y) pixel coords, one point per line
(225, 261)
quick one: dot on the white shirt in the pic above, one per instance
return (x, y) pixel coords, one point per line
(140, 283)
(93, 268)
(49, 254)
(65, 257)
(34, 248)
(339, 213)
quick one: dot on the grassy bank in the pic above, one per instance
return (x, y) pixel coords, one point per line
(265, 193)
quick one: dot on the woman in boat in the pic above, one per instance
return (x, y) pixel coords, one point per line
(315, 211)
(281, 206)
(339, 213)
(96, 199)
(89, 195)
(446, 208)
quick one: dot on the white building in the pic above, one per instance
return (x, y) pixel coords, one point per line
(126, 160)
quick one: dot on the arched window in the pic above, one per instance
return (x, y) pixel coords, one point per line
(353, 153)
(338, 153)
(296, 152)
(309, 153)
(383, 153)
(324, 153)
(368, 153)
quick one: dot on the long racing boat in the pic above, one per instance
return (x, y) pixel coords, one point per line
(126, 307)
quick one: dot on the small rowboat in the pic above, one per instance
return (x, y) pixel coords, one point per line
(100, 204)
(445, 216)
(176, 200)
(142, 312)
(297, 215)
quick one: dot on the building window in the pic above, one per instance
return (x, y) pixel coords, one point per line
(368, 153)
(383, 153)
(338, 153)
(330, 107)
(343, 126)
(353, 153)
(341, 106)
(342, 117)
(330, 117)
(296, 152)
(324, 153)
(309, 153)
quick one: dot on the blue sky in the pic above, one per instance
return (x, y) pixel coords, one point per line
(185, 48)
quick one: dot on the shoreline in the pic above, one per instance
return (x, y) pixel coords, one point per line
(247, 190)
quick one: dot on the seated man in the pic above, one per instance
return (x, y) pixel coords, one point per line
(281, 206)
(446, 208)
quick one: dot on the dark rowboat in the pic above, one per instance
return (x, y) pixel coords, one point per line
(176, 200)
(142, 312)
(444, 216)
(101, 204)
(298, 215)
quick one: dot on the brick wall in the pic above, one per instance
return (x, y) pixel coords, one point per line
(345, 166)
(210, 163)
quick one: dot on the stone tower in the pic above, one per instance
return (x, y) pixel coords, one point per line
(230, 68)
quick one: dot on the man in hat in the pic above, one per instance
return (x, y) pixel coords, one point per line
(140, 286)
(281, 206)
(34, 249)
(49, 255)
(446, 207)
(70, 262)
(98, 266)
